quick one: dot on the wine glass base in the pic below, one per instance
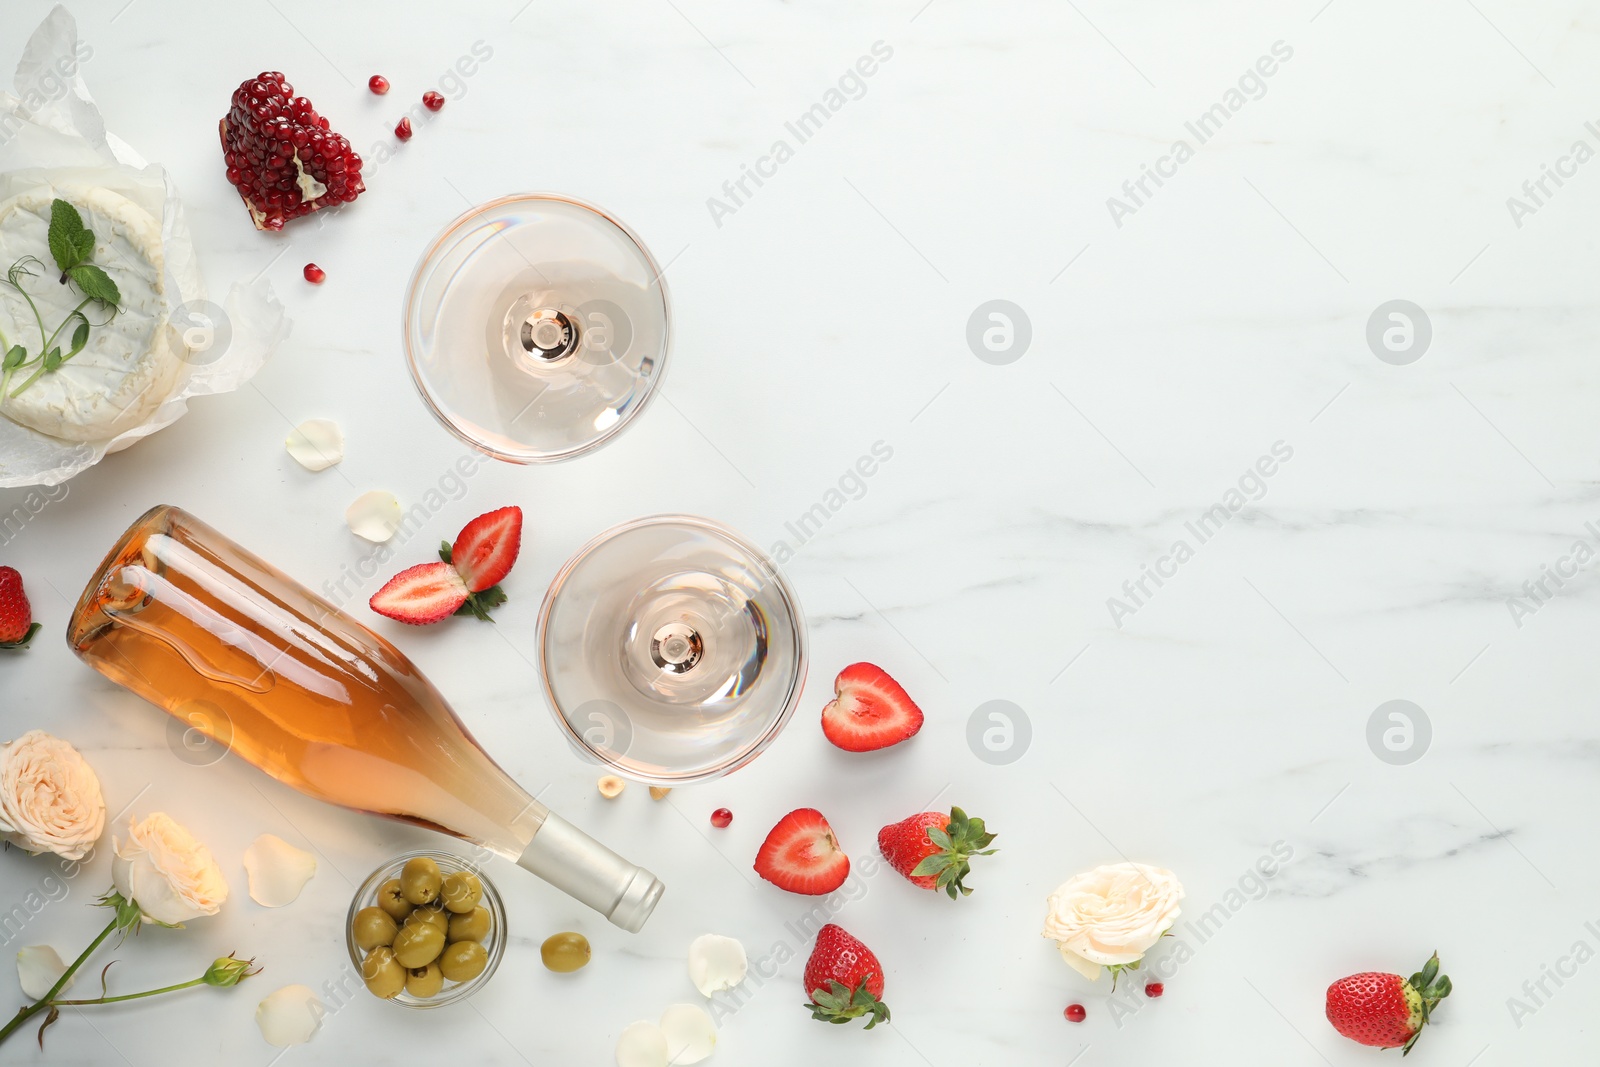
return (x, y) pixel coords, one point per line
(672, 650)
(537, 327)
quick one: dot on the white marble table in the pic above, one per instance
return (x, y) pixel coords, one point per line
(1178, 337)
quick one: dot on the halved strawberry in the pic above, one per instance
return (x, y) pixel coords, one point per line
(870, 710)
(426, 593)
(487, 547)
(802, 855)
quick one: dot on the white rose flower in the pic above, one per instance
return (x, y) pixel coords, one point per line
(166, 872)
(50, 799)
(1111, 916)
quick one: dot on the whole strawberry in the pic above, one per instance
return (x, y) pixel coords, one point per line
(16, 614)
(932, 849)
(1385, 1010)
(844, 980)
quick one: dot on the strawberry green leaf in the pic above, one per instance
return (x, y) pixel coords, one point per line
(480, 604)
(839, 1004)
(22, 642)
(960, 840)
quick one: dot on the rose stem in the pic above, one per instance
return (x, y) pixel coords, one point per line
(24, 1014)
(133, 996)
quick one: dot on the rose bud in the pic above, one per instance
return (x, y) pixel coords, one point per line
(227, 971)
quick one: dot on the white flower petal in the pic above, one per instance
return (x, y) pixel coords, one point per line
(691, 1035)
(642, 1045)
(170, 875)
(1089, 970)
(39, 967)
(316, 444)
(374, 516)
(716, 963)
(289, 1016)
(277, 870)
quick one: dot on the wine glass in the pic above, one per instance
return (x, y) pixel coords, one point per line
(536, 327)
(672, 650)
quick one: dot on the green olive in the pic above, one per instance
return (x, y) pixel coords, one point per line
(393, 901)
(418, 944)
(461, 892)
(473, 926)
(565, 952)
(419, 880)
(431, 914)
(425, 982)
(463, 961)
(373, 928)
(383, 974)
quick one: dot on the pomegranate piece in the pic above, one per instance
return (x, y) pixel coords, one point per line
(1075, 1013)
(282, 156)
(314, 274)
(378, 84)
(721, 818)
(432, 101)
(403, 130)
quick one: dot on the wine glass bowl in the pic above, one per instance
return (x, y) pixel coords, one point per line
(449, 863)
(537, 327)
(672, 650)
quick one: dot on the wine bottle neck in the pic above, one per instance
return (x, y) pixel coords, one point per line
(587, 871)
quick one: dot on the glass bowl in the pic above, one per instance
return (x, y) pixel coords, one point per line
(537, 327)
(673, 650)
(449, 863)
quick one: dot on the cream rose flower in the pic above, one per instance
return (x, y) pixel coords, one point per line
(50, 799)
(1112, 915)
(163, 869)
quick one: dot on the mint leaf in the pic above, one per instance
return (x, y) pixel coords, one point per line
(96, 284)
(52, 359)
(80, 337)
(14, 358)
(70, 240)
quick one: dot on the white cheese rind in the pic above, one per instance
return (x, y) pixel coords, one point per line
(128, 369)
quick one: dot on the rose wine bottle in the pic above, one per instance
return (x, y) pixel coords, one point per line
(234, 648)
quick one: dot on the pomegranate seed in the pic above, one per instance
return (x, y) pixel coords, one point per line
(1154, 989)
(314, 274)
(1075, 1013)
(378, 84)
(432, 100)
(721, 818)
(403, 130)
